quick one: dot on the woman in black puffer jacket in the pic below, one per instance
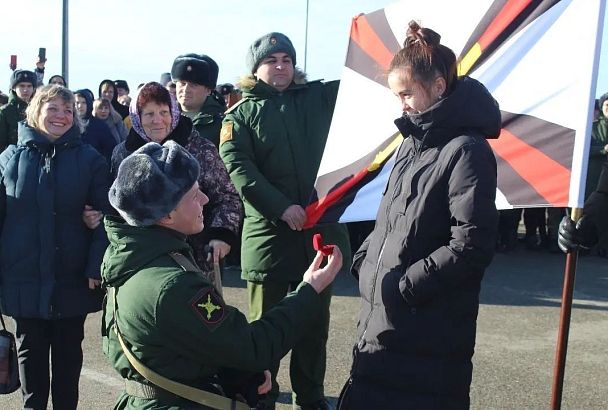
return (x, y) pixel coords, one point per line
(420, 269)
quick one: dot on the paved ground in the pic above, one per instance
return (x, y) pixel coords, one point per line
(516, 337)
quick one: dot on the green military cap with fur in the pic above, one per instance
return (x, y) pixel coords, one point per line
(266, 45)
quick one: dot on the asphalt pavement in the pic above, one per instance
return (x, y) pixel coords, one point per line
(516, 338)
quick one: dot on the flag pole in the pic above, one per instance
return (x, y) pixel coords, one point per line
(306, 39)
(564, 322)
(65, 42)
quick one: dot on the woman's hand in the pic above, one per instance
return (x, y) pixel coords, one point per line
(220, 250)
(265, 387)
(91, 217)
(94, 283)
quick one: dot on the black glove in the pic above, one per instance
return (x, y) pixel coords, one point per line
(242, 386)
(572, 237)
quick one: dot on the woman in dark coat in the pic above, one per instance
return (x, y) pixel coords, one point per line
(49, 260)
(107, 90)
(95, 131)
(421, 267)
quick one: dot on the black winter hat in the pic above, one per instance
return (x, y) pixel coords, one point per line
(224, 89)
(151, 182)
(122, 84)
(269, 44)
(23, 76)
(165, 78)
(88, 97)
(196, 68)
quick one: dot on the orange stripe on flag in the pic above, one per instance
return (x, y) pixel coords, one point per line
(364, 35)
(315, 211)
(505, 17)
(548, 177)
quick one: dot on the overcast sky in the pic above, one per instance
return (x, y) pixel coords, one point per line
(137, 40)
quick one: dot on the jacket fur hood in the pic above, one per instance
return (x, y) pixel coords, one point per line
(249, 80)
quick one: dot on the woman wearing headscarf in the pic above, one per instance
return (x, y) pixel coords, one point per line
(156, 117)
(50, 261)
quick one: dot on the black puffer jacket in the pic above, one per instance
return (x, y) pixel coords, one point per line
(420, 269)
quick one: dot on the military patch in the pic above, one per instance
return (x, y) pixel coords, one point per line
(226, 134)
(209, 307)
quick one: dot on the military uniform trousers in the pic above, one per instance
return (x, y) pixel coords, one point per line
(308, 356)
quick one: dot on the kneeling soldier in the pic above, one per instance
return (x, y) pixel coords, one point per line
(164, 322)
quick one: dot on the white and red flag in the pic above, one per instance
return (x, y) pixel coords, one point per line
(539, 59)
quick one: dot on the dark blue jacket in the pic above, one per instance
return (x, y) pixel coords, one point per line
(96, 132)
(47, 253)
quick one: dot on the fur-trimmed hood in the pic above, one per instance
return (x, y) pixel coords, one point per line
(248, 81)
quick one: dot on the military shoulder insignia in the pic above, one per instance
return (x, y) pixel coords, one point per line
(239, 102)
(226, 133)
(209, 307)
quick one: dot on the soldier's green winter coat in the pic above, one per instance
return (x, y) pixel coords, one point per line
(272, 146)
(208, 121)
(160, 315)
(10, 115)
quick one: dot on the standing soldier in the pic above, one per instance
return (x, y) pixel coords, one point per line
(231, 94)
(195, 78)
(272, 142)
(23, 84)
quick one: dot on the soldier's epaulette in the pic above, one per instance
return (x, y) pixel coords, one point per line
(239, 102)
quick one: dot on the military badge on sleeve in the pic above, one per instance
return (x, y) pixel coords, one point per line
(209, 307)
(226, 133)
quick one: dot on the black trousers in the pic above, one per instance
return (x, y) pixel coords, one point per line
(63, 338)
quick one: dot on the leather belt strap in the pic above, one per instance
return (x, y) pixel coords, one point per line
(147, 391)
(188, 266)
(215, 401)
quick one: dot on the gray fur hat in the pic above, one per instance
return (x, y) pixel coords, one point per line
(269, 44)
(23, 76)
(151, 182)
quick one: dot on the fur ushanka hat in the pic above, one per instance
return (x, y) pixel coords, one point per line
(151, 182)
(196, 68)
(23, 76)
(266, 45)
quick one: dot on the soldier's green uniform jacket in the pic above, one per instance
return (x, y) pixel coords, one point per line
(208, 121)
(272, 143)
(10, 115)
(176, 322)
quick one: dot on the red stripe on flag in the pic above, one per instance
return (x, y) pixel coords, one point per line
(364, 35)
(548, 177)
(315, 210)
(502, 20)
